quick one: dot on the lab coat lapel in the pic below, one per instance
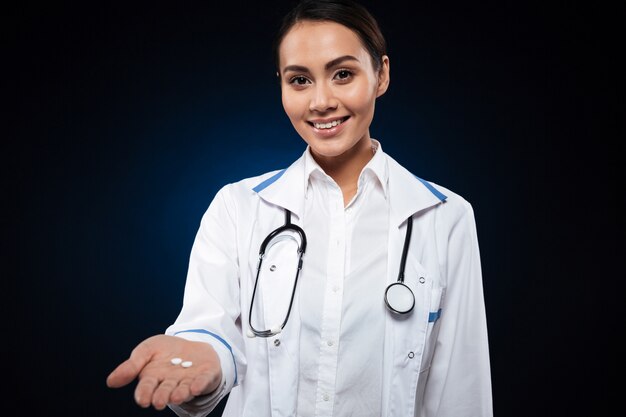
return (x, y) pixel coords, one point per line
(405, 335)
(286, 188)
(409, 194)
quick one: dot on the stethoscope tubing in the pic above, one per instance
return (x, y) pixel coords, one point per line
(399, 298)
(393, 304)
(288, 226)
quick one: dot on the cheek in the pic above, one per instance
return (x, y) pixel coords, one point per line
(292, 105)
(360, 99)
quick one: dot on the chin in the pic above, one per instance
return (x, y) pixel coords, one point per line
(329, 148)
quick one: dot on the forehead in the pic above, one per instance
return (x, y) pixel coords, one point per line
(316, 43)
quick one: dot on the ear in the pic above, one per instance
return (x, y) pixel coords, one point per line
(383, 76)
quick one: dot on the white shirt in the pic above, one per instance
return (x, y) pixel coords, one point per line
(433, 362)
(341, 293)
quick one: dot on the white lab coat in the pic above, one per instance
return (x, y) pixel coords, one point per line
(436, 360)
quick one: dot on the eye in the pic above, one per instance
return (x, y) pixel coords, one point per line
(298, 80)
(343, 75)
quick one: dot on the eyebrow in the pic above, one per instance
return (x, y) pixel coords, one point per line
(329, 64)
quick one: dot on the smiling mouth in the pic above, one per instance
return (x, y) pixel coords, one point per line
(329, 125)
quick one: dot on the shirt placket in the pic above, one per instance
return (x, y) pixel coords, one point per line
(333, 294)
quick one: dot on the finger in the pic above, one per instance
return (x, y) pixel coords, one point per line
(145, 390)
(203, 384)
(128, 370)
(122, 375)
(182, 393)
(162, 394)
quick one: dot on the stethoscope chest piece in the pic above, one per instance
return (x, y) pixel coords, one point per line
(399, 298)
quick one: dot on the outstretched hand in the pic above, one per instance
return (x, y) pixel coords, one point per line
(160, 381)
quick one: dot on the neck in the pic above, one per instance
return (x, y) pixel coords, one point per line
(346, 168)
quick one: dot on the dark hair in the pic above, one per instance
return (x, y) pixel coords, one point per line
(345, 12)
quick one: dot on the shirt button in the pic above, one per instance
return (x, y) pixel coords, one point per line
(325, 397)
(277, 342)
(330, 343)
(335, 288)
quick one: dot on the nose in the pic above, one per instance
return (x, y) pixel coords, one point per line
(322, 99)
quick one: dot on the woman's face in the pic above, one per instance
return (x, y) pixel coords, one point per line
(329, 86)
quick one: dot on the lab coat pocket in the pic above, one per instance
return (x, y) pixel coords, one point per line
(437, 295)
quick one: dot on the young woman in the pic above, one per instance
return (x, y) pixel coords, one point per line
(341, 285)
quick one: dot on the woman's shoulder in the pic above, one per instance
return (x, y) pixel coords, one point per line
(452, 202)
(249, 186)
(453, 198)
(454, 210)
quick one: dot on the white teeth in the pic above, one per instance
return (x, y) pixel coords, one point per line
(328, 125)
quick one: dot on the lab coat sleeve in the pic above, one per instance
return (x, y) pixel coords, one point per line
(459, 382)
(211, 308)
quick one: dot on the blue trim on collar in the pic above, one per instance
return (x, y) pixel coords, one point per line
(224, 342)
(269, 181)
(432, 189)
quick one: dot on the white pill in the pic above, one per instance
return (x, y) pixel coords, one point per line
(176, 361)
(186, 364)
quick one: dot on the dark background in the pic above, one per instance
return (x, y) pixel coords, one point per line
(125, 119)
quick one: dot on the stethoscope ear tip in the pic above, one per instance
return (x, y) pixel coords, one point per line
(250, 334)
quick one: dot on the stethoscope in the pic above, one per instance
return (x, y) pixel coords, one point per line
(399, 298)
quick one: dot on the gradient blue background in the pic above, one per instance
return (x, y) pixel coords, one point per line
(124, 120)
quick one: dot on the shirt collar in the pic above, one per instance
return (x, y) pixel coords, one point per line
(376, 168)
(407, 194)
